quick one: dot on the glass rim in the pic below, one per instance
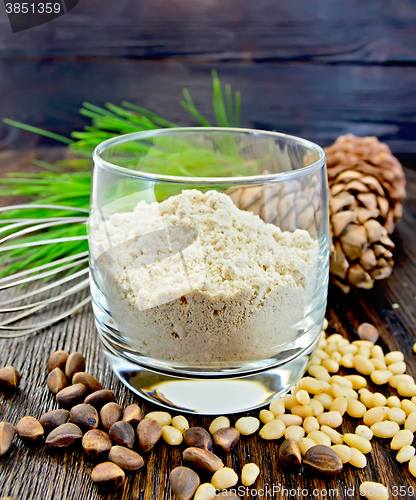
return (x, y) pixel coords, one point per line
(277, 177)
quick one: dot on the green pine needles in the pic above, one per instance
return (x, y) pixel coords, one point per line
(67, 184)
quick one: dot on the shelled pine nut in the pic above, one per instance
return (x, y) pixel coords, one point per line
(303, 397)
(219, 423)
(266, 416)
(295, 432)
(405, 454)
(343, 451)
(358, 442)
(385, 429)
(355, 408)
(319, 437)
(410, 422)
(379, 399)
(364, 431)
(311, 424)
(325, 399)
(273, 430)
(401, 439)
(339, 405)
(393, 402)
(278, 405)
(358, 382)
(397, 415)
(357, 459)
(407, 406)
(289, 419)
(316, 406)
(333, 435)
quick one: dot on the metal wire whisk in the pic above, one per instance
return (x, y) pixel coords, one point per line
(27, 303)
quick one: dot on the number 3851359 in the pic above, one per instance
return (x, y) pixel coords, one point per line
(27, 7)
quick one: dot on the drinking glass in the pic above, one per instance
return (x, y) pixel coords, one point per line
(209, 263)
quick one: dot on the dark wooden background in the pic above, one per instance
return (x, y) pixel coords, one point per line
(317, 69)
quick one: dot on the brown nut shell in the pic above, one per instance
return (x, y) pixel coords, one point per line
(57, 360)
(126, 459)
(289, 453)
(9, 377)
(29, 428)
(202, 459)
(84, 416)
(226, 438)
(96, 443)
(323, 459)
(108, 475)
(148, 433)
(54, 419)
(63, 436)
(7, 433)
(74, 363)
(99, 398)
(72, 395)
(183, 482)
(110, 413)
(122, 433)
(56, 381)
(199, 437)
(90, 382)
(133, 415)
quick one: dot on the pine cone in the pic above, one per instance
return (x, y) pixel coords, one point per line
(367, 188)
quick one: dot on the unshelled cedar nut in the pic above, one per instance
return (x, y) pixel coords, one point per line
(63, 436)
(74, 363)
(110, 414)
(7, 432)
(90, 382)
(148, 433)
(72, 395)
(84, 416)
(199, 437)
(226, 438)
(122, 433)
(57, 360)
(56, 381)
(9, 377)
(108, 475)
(183, 482)
(323, 459)
(54, 419)
(99, 398)
(133, 415)
(202, 459)
(125, 458)
(29, 428)
(289, 453)
(96, 443)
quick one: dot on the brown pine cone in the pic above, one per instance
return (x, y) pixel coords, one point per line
(367, 188)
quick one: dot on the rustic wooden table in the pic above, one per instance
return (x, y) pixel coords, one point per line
(35, 472)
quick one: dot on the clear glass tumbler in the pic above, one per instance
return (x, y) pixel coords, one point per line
(209, 263)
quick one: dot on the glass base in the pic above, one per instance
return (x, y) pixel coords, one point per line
(210, 396)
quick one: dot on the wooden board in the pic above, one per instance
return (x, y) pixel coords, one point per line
(315, 69)
(318, 102)
(34, 472)
(376, 31)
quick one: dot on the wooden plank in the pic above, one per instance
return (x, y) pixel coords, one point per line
(33, 472)
(318, 102)
(376, 31)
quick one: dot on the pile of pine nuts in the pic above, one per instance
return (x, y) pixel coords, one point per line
(311, 414)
